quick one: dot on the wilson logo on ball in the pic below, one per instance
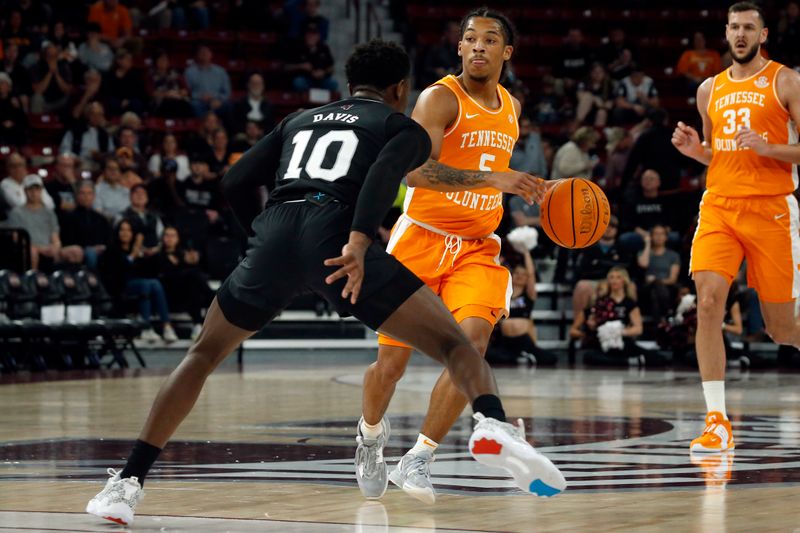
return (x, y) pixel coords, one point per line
(575, 213)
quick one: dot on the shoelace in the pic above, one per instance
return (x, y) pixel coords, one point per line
(517, 431)
(419, 465)
(374, 457)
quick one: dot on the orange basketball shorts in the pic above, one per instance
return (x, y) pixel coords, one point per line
(468, 278)
(764, 230)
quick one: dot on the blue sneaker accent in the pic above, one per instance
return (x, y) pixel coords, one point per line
(541, 489)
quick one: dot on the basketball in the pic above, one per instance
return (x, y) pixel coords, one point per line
(575, 213)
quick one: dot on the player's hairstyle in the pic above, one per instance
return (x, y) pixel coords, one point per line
(740, 7)
(377, 64)
(509, 34)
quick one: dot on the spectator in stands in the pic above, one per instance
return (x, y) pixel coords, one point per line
(699, 63)
(126, 273)
(299, 20)
(593, 264)
(92, 83)
(311, 63)
(69, 52)
(15, 32)
(62, 187)
(788, 35)
(549, 105)
(572, 60)
(616, 302)
(651, 150)
(644, 210)
(636, 94)
(528, 155)
(89, 137)
(442, 59)
(13, 121)
(253, 131)
(219, 156)
(20, 77)
(209, 84)
(254, 106)
(112, 197)
(573, 159)
(199, 142)
(619, 142)
(617, 54)
(595, 98)
(185, 283)
(518, 332)
(661, 267)
(169, 150)
(114, 20)
(123, 88)
(143, 220)
(164, 191)
(94, 53)
(12, 186)
(52, 82)
(34, 13)
(202, 190)
(182, 12)
(167, 88)
(132, 159)
(127, 167)
(42, 225)
(84, 226)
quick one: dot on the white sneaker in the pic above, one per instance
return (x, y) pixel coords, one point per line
(149, 336)
(196, 331)
(413, 475)
(169, 334)
(117, 501)
(501, 445)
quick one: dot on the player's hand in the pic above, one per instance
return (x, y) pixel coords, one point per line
(747, 138)
(351, 264)
(530, 188)
(686, 140)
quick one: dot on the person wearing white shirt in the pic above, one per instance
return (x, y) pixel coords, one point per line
(13, 190)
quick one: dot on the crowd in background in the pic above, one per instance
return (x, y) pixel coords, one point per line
(142, 205)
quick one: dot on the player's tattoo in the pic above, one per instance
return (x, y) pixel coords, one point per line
(436, 172)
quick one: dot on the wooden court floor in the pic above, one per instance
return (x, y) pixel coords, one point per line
(269, 448)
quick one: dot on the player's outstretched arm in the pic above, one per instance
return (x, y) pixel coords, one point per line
(686, 139)
(436, 109)
(788, 87)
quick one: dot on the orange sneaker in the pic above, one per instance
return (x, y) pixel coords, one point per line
(717, 437)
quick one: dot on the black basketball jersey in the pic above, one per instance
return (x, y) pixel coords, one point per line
(355, 150)
(331, 148)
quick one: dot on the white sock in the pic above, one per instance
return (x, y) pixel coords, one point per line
(424, 444)
(372, 432)
(714, 391)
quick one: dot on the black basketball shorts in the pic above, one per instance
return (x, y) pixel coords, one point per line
(286, 258)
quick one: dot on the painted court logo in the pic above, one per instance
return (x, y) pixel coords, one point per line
(599, 454)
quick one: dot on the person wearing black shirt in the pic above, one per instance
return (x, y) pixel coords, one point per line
(646, 209)
(85, 226)
(653, 149)
(333, 172)
(312, 63)
(573, 60)
(144, 220)
(62, 187)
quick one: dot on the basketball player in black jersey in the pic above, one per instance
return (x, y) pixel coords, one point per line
(333, 173)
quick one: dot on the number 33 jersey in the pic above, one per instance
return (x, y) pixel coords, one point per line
(749, 103)
(478, 139)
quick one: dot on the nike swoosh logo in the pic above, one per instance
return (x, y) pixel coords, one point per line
(427, 443)
(780, 216)
(472, 116)
(719, 87)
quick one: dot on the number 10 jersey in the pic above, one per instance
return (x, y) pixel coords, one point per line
(753, 103)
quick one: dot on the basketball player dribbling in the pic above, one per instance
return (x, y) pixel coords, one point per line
(333, 173)
(446, 238)
(750, 115)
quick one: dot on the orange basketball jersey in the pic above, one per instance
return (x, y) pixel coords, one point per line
(752, 102)
(479, 139)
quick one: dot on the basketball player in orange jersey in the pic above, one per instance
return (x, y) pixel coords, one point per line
(446, 238)
(750, 114)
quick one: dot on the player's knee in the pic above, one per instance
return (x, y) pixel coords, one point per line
(390, 370)
(710, 306)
